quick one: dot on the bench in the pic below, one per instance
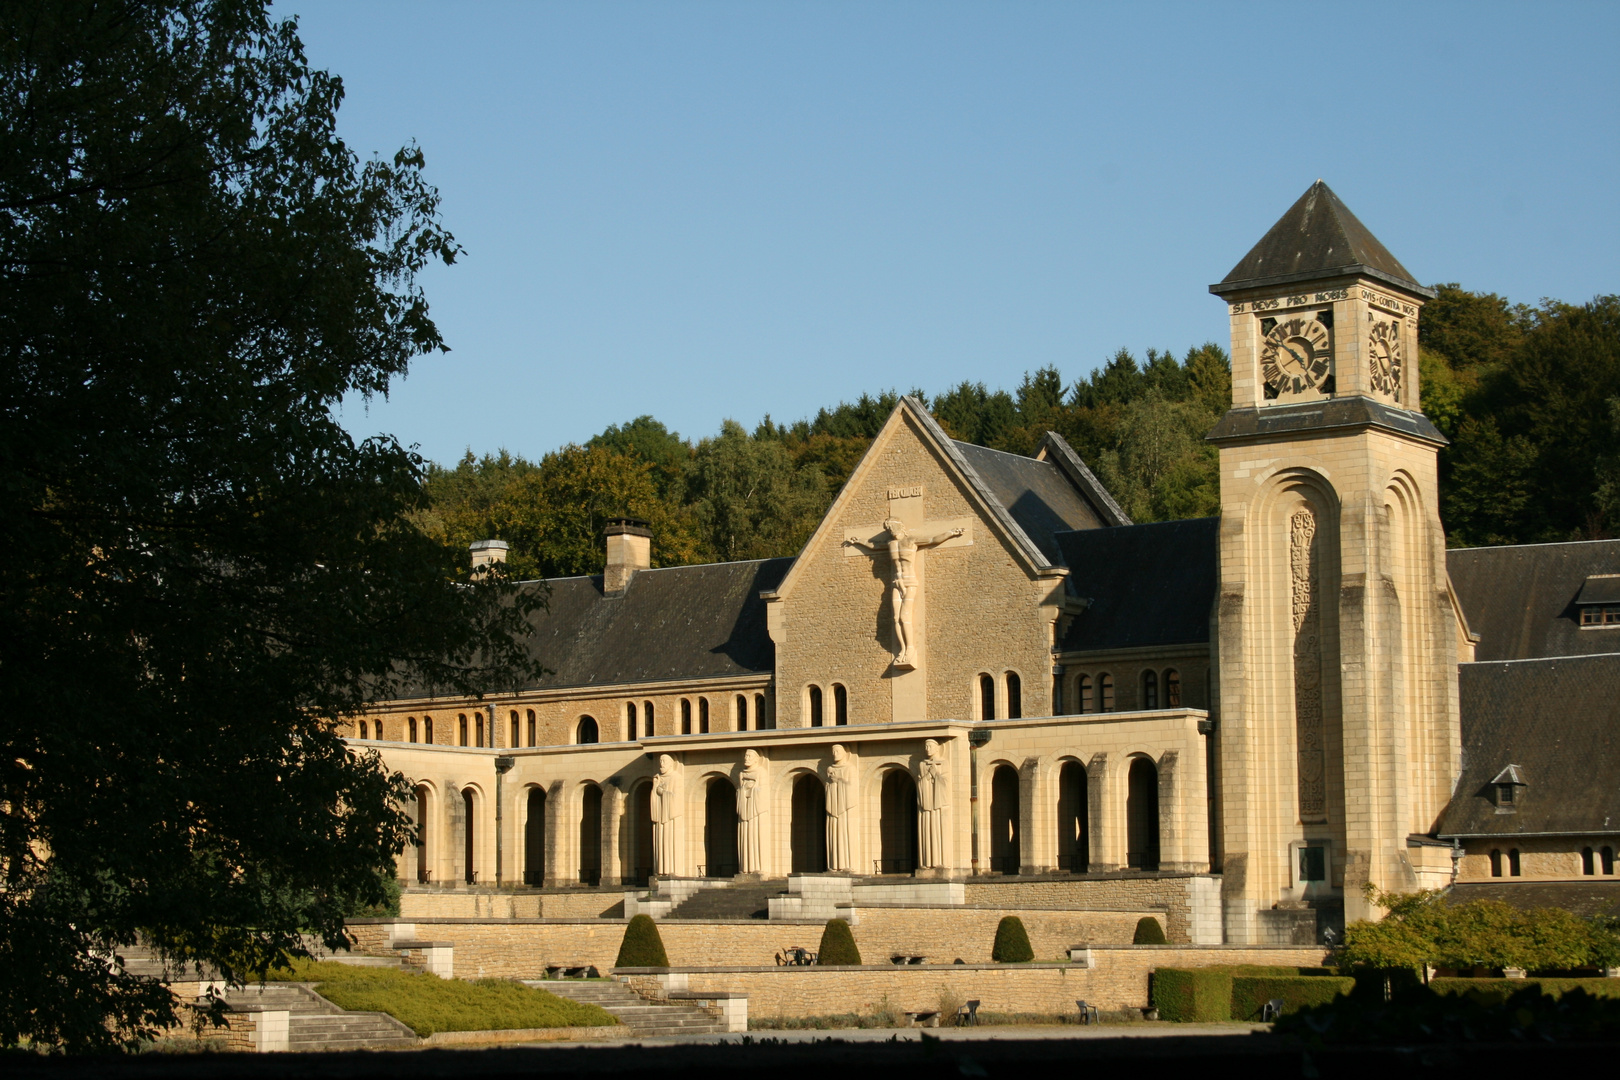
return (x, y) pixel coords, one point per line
(1088, 1013)
(907, 959)
(571, 971)
(918, 1019)
(1271, 1010)
(968, 1014)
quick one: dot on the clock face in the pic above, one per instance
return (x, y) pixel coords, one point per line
(1296, 357)
(1384, 358)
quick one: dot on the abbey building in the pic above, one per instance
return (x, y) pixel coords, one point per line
(979, 669)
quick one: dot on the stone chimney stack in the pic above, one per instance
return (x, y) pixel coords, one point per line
(485, 552)
(629, 548)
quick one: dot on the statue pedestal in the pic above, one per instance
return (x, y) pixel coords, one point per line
(748, 879)
(931, 873)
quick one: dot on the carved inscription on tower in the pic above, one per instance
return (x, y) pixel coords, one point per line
(1303, 565)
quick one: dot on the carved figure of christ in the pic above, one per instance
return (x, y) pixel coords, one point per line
(902, 549)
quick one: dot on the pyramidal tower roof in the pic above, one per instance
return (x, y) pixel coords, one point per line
(1318, 237)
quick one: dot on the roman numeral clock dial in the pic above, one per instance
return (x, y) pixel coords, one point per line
(1296, 357)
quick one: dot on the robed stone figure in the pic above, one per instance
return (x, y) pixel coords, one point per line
(666, 812)
(933, 801)
(751, 814)
(840, 796)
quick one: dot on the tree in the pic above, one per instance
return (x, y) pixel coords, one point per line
(838, 946)
(642, 946)
(749, 500)
(203, 571)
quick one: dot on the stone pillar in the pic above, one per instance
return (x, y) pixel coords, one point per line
(1107, 845)
(559, 849)
(613, 811)
(1035, 840)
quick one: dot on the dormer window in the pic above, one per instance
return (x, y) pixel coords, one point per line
(1505, 789)
(1599, 602)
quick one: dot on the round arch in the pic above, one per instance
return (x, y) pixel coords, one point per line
(898, 845)
(1006, 854)
(1142, 813)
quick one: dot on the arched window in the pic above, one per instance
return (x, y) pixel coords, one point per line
(1608, 859)
(534, 838)
(815, 706)
(424, 869)
(1074, 842)
(1150, 689)
(720, 829)
(479, 722)
(703, 716)
(463, 718)
(1142, 815)
(1588, 861)
(686, 716)
(517, 731)
(1082, 695)
(647, 718)
(586, 732)
(469, 867)
(840, 705)
(1513, 862)
(630, 719)
(987, 698)
(427, 729)
(411, 727)
(362, 729)
(1105, 693)
(1496, 862)
(761, 721)
(590, 832)
(742, 712)
(1172, 689)
(1015, 696)
(1005, 852)
(531, 726)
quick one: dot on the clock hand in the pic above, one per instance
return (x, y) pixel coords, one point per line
(1298, 359)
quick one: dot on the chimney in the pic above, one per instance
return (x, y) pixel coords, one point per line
(629, 548)
(485, 552)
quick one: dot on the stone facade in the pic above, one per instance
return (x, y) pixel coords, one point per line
(1279, 748)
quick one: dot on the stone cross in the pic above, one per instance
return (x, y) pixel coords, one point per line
(902, 538)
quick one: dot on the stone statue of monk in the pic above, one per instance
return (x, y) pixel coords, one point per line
(933, 801)
(666, 811)
(840, 796)
(751, 801)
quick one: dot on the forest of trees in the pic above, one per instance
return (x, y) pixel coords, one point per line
(1528, 396)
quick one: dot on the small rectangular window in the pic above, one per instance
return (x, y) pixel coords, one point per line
(1312, 864)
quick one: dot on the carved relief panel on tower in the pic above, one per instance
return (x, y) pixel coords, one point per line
(1308, 734)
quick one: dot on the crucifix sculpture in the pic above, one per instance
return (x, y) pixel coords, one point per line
(904, 587)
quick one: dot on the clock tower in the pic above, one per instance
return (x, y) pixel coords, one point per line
(1338, 639)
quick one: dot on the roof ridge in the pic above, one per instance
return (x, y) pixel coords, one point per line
(1541, 659)
(1541, 543)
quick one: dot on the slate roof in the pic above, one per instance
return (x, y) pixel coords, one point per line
(1520, 600)
(681, 622)
(1558, 720)
(1317, 237)
(1037, 494)
(1592, 896)
(1148, 584)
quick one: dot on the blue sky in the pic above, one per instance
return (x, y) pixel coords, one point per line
(712, 210)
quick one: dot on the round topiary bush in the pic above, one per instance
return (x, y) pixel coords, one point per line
(1012, 942)
(642, 945)
(838, 945)
(1149, 932)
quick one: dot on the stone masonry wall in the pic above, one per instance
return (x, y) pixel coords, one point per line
(1118, 979)
(521, 948)
(1167, 893)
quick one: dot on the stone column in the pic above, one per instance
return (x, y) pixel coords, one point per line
(1107, 841)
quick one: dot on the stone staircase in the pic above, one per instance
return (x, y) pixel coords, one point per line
(751, 901)
(313, 1023)
(642, 1017)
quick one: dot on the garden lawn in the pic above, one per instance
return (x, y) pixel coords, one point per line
(428, 1004)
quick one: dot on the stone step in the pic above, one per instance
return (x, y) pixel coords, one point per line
(735, 902)
(635, 1012)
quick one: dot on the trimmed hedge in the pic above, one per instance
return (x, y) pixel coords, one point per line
(1494, 991)
(1149, 932)
(1192, 995)
(1012, 942)
(642, 946)
(1251, 992)
(838, 946)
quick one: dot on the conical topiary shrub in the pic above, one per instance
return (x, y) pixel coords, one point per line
(1149, 932)
(1012, 942)
(838, 945)
(642, 945)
